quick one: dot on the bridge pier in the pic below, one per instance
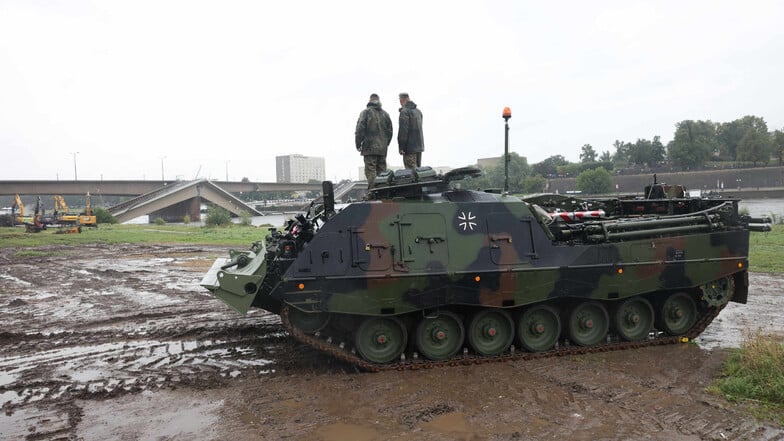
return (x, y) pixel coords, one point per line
(176, 212)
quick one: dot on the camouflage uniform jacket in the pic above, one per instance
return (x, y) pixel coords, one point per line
(374, 130)
(410, 138)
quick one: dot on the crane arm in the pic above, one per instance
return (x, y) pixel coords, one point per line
(18, 204)
(60, 205)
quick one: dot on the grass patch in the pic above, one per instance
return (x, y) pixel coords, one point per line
(766, 251)
(233, 235)
(755, 374)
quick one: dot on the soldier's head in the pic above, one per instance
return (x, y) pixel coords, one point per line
(403, 98)
(374, 97)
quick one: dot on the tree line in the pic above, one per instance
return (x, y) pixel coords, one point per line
(695, 145)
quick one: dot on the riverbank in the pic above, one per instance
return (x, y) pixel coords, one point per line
(748, 183)
(231, 235)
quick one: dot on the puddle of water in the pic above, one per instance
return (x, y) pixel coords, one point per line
(88, 375)
(7, 378)
(15, 279)
(150, 416)
(154, 298)
(9, 397)
(144, 298)
(27, 422)
(736, 321)
(24, 362)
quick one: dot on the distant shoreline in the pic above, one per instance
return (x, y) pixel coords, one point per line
(746, 183)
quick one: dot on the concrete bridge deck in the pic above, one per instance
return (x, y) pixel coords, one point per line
(189, 192)
(171, 199)
(134, 188)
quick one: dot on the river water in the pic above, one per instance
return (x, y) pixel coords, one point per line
(764, 207)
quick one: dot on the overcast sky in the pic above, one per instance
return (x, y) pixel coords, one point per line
(206, 87)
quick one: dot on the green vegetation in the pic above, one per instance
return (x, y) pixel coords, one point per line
(102, 216)
(233, 235)
(159, 221)
(755, 373)
(217, 216)
(594, 181)
(696, 144)
(766, 249)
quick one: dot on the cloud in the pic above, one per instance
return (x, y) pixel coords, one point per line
(211, 86)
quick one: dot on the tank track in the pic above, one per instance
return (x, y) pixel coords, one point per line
(342, 352)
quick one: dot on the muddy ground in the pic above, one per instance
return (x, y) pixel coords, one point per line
(120, 342)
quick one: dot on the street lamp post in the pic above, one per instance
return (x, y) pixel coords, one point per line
(74, 161)
(506, 115)
(227, 171)
(162, 158)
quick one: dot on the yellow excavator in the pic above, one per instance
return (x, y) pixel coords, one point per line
(20, 217)
(88, 218)
(63, 217)
(61, 214)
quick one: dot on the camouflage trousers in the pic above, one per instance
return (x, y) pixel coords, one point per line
(374, 164)
(412, 160)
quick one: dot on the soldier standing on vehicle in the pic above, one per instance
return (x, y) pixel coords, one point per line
(410, 139)
(372, 137)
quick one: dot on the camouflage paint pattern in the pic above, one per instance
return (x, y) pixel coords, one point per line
(392, 257)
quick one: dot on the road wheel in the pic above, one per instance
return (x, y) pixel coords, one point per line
(538, 328)
(440, 337)
(308, 322)
(490, 332)
(634, 319)
(381, 339)
(677, 314)
(588, 324)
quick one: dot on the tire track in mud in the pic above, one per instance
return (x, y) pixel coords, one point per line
(42, 378)
(631, 403)
(81, 364)
(100, 322)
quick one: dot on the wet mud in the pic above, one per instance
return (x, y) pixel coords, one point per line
(120, 342)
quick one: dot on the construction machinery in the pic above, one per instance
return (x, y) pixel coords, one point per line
(63, 217)
(37, 223)
(18, 211)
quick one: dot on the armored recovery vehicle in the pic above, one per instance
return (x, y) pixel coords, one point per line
(425, 273)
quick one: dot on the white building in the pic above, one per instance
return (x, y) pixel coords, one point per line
(299, 168)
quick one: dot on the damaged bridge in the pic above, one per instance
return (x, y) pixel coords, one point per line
(171, 201)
